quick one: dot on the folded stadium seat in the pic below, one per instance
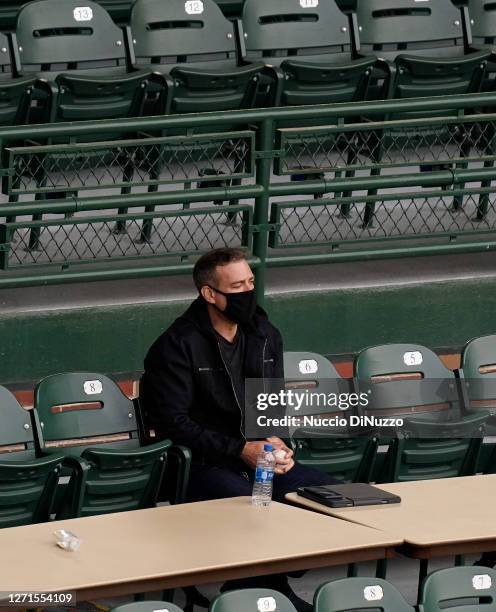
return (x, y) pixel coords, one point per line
(346, 453)
(309, 59)
(359, 594)
(424, 51)
(478, 380)
(422, 47)
(88, 416)
(27, 482)
(307, 50)
(194, 46)
(248, 600)
(459, 589)
(482, 20)
(16, 93)
(409, 381)
(80, 55)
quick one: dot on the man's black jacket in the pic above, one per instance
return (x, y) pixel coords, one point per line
(187, 393)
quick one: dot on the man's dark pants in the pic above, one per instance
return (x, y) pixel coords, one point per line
(207, 482)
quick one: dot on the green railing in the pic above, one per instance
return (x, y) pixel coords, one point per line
(136, 197)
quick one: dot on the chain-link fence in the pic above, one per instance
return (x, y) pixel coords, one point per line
(141, 162)
(416, 172)
(95, 239)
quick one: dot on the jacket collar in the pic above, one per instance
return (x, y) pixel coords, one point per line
(197, 314)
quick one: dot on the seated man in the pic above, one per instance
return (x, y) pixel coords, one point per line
(193, 388)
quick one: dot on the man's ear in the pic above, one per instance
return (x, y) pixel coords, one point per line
(207, 294)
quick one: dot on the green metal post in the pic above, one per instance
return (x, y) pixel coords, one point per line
(261, 215)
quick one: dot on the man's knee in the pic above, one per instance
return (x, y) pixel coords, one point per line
(217, 483)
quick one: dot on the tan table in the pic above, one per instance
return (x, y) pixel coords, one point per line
(449, 516)
(171, 546)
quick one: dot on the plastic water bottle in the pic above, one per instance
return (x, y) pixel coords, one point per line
(264, 474)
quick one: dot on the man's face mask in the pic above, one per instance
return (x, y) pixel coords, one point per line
(240, 307)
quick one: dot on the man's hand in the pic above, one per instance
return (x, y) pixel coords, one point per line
(250, 452)
(284, 464)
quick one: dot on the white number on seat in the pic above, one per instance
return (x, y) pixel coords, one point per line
(481, 582)
(92, 387)
(413, 358)
(309, 3)
(308, 366)
(266, 604)
(373, 593)
(83, 13)
(194, 7)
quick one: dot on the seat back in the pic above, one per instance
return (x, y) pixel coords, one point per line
(15, 93)
(478, 380)
(344, 453)
(247, 600)
(62, 36)
(359, 594)
(80, 409)
(16, 431)
(406, 379)
(482, 21)
(478, 366)
(278, 29)
(459, 589)
(27, 484)
(402, 26)
(173, 33)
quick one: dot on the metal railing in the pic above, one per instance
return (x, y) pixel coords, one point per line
(141, 197)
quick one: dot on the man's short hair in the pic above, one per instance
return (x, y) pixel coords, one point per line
(204, 270)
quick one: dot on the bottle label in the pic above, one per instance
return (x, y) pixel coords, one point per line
(263, 475)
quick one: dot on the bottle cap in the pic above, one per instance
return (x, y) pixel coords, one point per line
(268, 447)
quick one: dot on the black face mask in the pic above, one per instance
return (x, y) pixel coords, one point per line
(240, 307)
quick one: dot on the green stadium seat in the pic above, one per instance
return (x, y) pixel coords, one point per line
(147, 606)
(345, 454)
(16, 93)
(482, 20)
(248, 600)
(96, 424)
(81, 54)
(478, 377)
(459, 589)
(436, 450)
(307, 52)
(27, 482)
(195, 46)
(354, 594)
(408, 381)
(422, 47)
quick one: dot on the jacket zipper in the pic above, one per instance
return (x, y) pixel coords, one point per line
(234, 391)
(263, 364)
